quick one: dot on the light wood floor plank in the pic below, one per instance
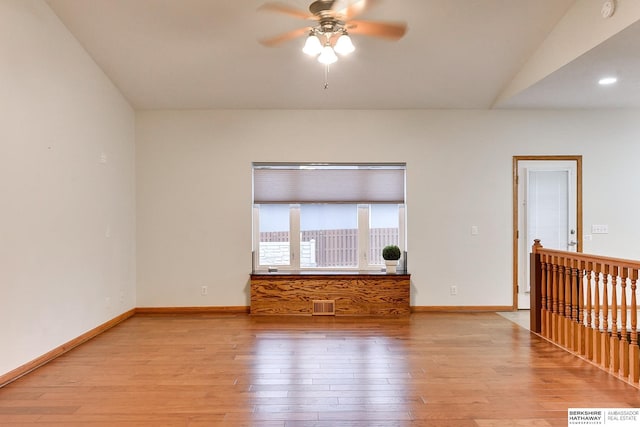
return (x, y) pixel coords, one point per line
(198, 369)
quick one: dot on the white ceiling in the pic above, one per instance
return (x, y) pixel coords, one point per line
(204, 54)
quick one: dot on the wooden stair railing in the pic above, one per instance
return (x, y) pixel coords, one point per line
(583, 303)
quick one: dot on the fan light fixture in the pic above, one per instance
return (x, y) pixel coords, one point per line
(344, 46)
(312, 46)
(327, 56)
(327, 53)
(328, 35)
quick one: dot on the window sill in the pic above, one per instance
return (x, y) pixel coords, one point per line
(327, 273)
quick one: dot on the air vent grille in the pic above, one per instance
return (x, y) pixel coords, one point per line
(324, 308)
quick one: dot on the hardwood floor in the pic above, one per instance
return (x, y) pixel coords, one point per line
(429, 369)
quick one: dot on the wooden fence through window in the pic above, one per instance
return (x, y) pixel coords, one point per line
(339, 247)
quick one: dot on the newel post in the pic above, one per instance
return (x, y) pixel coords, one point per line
(535, 282)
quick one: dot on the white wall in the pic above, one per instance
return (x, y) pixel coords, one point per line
(194, 190)
(60, 276)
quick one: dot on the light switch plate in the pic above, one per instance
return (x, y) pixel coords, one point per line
(599, 229)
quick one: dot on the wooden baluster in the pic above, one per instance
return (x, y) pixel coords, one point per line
(605, 297)
(560, 308)
(554, 296)
(582, 315)
(596, 314)
(614, 341)
(624, 342)
(634, 365)
(549, 295)
(543, 296)
(604, 334)
(574, 306)
(588, 312)
(567, 302)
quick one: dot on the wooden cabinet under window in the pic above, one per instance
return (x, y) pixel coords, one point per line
(353, 294)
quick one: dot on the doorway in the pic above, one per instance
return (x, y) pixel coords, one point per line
(547, 193)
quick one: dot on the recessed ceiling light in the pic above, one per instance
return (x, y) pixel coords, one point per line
(607, 80)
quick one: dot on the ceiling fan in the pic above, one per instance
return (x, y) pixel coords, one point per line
(334, 21)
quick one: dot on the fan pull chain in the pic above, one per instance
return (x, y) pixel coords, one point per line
(326, 77)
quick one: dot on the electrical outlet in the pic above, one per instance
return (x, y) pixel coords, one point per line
(204, 290)
(454, 290)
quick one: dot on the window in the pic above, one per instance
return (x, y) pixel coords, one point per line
(336, 217)
(274, 235)
(384, 229)
(329, 236)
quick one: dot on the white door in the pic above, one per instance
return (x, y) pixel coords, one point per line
(547, 211)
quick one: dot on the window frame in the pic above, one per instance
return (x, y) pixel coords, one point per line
(299, 184)
(363, 213)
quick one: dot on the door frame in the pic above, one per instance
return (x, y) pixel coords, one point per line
(516, 159)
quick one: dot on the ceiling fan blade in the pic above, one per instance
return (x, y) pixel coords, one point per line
(281, 38)
(387, 30)
(355, 8)
(286, 9)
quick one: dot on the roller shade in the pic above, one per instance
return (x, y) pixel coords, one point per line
(328, 184)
